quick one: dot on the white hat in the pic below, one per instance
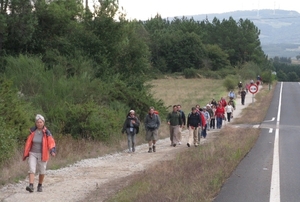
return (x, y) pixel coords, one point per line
(131, 111)
(38, 116)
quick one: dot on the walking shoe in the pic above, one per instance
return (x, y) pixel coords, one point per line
(133, 149)
(188, 144)
(174, 145)
(30, 188)
(179, 143)
(196, 145)
(154, 148)
(39, 188)
(150, 150)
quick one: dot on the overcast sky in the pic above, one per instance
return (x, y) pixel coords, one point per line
(145, 9)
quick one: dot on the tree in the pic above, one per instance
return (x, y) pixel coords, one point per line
(217, 57)
(292, 76)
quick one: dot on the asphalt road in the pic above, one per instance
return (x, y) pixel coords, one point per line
(271, 170)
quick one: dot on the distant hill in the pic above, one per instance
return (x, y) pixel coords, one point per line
(280, 29)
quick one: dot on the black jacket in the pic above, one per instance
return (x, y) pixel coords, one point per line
(194, 120)
(126, 125)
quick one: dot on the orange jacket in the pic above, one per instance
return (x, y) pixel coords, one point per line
(48, 143)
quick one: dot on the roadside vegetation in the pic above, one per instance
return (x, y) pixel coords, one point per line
(84, 70)
(198, 174)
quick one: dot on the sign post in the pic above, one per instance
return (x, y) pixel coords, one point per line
(253, 88)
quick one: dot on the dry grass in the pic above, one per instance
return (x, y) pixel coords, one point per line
(187, 92)
(198, 174)
(69, 151)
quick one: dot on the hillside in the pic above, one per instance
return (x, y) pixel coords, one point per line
(280, 29)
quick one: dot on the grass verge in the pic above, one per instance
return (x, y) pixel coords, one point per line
(198, 174)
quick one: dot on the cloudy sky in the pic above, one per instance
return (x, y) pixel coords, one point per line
(145, 9)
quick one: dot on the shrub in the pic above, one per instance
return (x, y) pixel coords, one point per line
(8, 143)
(14, 120)
(230, 82)
(227, 71)
(190, 73)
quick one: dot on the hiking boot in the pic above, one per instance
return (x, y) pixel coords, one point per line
(154, 148)
(133, 149)
(150, 150)
(30, 188)
(174, 145)
(39, 188)
(188, 144)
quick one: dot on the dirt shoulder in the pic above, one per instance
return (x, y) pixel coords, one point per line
(106, 174)
(74, 183)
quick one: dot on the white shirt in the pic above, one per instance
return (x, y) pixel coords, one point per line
(229, 109)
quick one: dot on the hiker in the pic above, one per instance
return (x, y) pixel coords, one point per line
(193, 124)
(247, 87)
(207, 120)
(219, 115)
(131, 127)
(211, 114)
(174, 121)
(231, 95)
(243, 95)
(213, 117)
(203, 122)
(37, 147)
(152, 124)
(229, 111)
(223, 102)
(240, 85)
(213, 102)
(183, 123)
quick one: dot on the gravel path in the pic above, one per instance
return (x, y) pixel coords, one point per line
(75, 182)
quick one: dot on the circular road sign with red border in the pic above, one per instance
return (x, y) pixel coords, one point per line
(253, 88)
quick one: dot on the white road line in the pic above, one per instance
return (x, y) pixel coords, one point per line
(270, 120)
(270, 130)
(275, 181)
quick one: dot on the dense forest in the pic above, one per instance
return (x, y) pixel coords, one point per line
(83, 70)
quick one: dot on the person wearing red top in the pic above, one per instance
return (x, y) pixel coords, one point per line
(223, 102)
(202, 124)
(219, 114)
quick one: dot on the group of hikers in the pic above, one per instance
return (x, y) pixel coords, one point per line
(198, 122)
(40, 141)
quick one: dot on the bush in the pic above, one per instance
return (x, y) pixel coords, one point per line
(74, 101)
(227, 71)
(190, 73)
(230, 82)
(8, 143)
(14, 120)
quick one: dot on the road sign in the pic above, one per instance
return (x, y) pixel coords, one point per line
(253, 88)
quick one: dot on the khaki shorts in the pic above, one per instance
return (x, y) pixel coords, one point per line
(35, 163)
(152, 135)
